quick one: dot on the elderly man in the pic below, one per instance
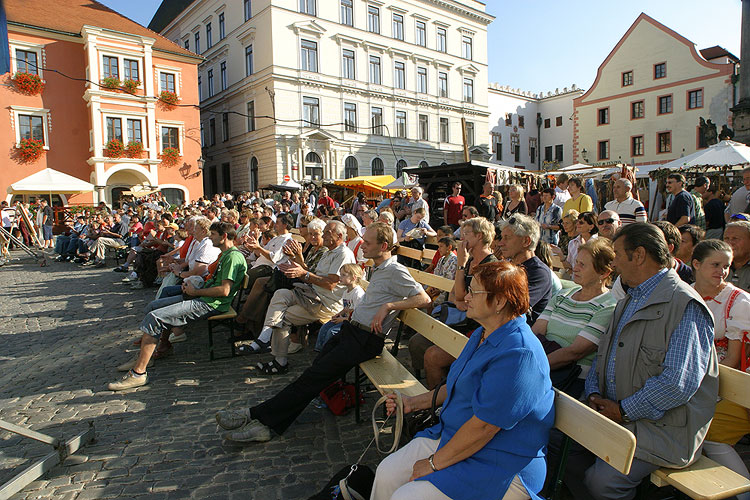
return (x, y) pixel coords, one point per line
(656, 371)
(737, 235)
(609, 223)
(624, 205)
(111, 238)
(391, 289)
(318, 297)
(419, 202)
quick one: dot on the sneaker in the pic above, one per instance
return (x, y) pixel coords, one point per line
(129, 381)
(130, 278)
(294, 347)
(178, 338)
(232, 419)
(137, 285)
(126, 367)
(251, 432)
(121, 269)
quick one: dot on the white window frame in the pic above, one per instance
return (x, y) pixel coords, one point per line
(344, 75)
(417, 22)
(464, 37)
(305, 61)
(124, 116)
(401, 113)
(28, 47)
(177, 77)
(180, 134)
(24, 110)
(341, 12)
(377, 16)
(399, 82)
(397, 26)
(439, 89)
(371, 66)
(222, 22)
(444, 48)
(422, 72)
(121, 63)
(223, 75)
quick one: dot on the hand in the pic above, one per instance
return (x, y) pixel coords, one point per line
(421, 469)
(462, 256)
(293, 270)
(189, 289)
(391, 404)
(607, 407)
(461, 305)
(292, 247)
(377, 321)
(337, 320)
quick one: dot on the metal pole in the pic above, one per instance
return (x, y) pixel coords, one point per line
(465, 140)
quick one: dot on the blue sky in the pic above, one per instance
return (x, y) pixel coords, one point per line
(553, 43)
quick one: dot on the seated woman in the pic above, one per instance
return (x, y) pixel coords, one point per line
(573, 321)
(498, 407)
(730, 307)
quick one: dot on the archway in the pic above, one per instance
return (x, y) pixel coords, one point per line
(120, 181)
(400, 166)
(253, 173)
(313, 166)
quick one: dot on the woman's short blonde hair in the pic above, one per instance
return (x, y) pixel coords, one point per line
(518, 188)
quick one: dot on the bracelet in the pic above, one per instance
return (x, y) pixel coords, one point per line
(432, 464)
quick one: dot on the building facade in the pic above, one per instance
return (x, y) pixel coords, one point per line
(73, 49)
(531, 131)
(655, 99)
(332, 89)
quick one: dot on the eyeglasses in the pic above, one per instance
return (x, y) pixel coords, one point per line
(477, 292)
(607, 221)
(739, 217)
(512, 221)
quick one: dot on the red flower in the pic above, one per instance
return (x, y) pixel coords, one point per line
(114, 149)
(28, 83)
(168, 99)
(170, 156)
(30, 150)
(134, 149)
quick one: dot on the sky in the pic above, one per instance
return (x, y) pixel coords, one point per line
(548, 44)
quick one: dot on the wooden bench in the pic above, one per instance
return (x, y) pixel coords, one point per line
(706, 479)
(226, 319)
(432, 280)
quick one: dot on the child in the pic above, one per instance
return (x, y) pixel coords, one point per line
(350, 276)
(180, 237)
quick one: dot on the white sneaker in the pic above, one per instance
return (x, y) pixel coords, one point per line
(294, 347)
(126, 367)
(178, 338)
(129, 381)
(137, 285)
(130, 278)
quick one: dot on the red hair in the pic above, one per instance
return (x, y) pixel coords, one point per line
(505, 280)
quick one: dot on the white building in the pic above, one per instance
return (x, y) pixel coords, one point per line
(356, 87)
(531, 131)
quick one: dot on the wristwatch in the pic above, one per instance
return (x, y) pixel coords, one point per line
(624, 415)
(432, 464)
(461, 268)
(307, 277)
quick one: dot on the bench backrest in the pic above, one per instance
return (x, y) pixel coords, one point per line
(412, 253)
(433, 280)
(439, 333)
(734, 386)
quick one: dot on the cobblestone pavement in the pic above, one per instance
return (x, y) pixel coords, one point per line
(64, 329)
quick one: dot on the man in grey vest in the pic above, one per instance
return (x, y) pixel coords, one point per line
(656, 370)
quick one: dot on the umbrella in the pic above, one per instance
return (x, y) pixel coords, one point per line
(51, 181)
(289, 185)
(724, 154)
(586, 170)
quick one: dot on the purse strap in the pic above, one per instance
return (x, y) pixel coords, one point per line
(397, 426)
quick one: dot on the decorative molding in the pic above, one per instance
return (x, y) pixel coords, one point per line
(309, 27)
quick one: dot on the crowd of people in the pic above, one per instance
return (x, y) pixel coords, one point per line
(634, 323)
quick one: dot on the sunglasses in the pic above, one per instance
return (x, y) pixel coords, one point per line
(607, 221)
(739, 217)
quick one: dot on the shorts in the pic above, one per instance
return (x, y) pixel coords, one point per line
(47, 232)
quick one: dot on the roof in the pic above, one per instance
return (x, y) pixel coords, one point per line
(715, 52)
(69, 16)
(167, 12)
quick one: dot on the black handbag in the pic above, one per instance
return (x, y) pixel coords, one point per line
(420, 420)
(353, 482)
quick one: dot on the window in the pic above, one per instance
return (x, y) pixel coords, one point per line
(348, 64)
(203, 136)
(636, 145)
(346, 13)
(26, 62)
(559, 152)
(398, 26)
(187, 44)
(521, 121)
(200, 89)
(508, 119)
(603, 150)
(695, 99)
(443, 84)
(468, 90)
(400, 166)
(373, 19)
(209, 36)
(32, 127)
(350, 117)
(637, 110)
(470, 133)
(547, 123)
(444, 130)
(309, 56)
(421, 34)
(467, 51)
(664, 141)
(377, 166)
(210, 82)
(211, 132)
(399, 76)
(130, 68)
(660, 70)
(375, 70)
(665, 104)
(251, 116)
(497, 145)
(114, 129)
(166, 81)
(515, 147)
(351, 167)
(442, 40)
(311, 111)
(376, 120)
(422, 80)
(627, 78)
(134, 131)
(110, 67)
(401, 124)
(558, 121)
(248, 60)
(170, 137)
(424, 128)
(307, 7)
(548, 153)
(532, 149)
(197, 43)
(226, 178)
(222, 27)
(254, 173)
(602, 116)
(225, 127)
(223, 74)
(248, 10)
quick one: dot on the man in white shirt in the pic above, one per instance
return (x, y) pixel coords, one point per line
(628, 208)
(270, 254)
(561, 190)
(419, 202)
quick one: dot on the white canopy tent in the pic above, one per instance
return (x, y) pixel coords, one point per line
(51, 181)
(724, 154)
(403, 182)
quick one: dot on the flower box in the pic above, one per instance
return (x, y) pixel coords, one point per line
(168, 99)
(110, 83)
(130, 86)
(134, 149)
(28, 83)
(114, 149)
(30, 150)
(170, 157)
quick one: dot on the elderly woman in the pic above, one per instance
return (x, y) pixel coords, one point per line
(571, 324)
(497, 408)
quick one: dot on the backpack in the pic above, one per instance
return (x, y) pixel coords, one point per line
(145, 265)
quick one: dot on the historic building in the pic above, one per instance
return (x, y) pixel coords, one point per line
(531, 131)
(86, 58)
(332, 89)
(656, 97)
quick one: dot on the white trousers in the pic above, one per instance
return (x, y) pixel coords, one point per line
(393, 473)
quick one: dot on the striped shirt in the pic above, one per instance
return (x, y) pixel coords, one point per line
(568, 319)
(630, 210)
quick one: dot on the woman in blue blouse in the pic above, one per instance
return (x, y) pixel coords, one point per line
(498, 408)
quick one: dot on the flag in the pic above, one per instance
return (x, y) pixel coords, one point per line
(4, 47)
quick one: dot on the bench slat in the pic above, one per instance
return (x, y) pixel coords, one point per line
(412, 253)
(704, 479)
(439, 333)
(428, 279)
(734, 386)
(428, 254)
(388, 375)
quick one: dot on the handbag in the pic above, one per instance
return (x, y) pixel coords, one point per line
(340, 397)
(420, 420)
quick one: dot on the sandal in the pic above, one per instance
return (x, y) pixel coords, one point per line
(257, 347)
(272, 368)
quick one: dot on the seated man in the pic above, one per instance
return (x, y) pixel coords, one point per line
(391, 289)
(110, 238)
(656, 371)
(65, 241)
(271, 254)
(163, 314)
(200, 255)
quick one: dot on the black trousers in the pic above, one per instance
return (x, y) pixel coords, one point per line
(340, 354)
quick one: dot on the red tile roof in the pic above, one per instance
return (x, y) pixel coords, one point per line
(71, 15)
(715, 52)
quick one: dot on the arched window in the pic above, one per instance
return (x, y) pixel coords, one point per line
(351, 168)
(400, 165)
(173, 195)
(377, 167)
(423, 164)
(313, 166)
(313, 157)
(253, 174)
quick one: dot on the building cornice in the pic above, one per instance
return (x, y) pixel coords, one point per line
(476, 15)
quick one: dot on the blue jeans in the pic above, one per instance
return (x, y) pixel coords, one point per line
(170, 291)
(173, 311)
(61, 243)
(327, 331)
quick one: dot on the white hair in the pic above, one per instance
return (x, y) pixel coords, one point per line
(339, 226)
(626, 183)
(523, 225)
(316, 225)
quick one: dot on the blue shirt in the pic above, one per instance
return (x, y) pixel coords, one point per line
(407, 225)
(504, 382)
(685, 362)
